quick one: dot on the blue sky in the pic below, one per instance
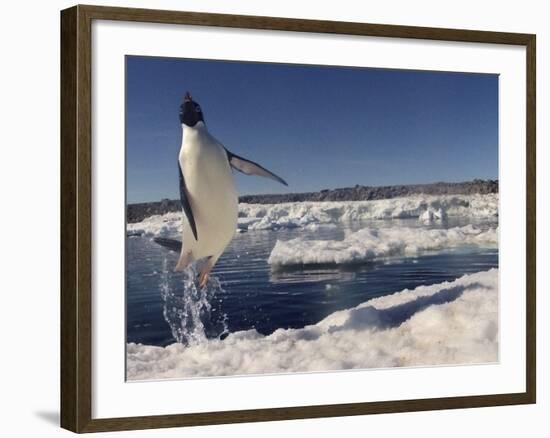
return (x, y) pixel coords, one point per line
(316, 126)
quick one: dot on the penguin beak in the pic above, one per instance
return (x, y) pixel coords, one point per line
(187, 97)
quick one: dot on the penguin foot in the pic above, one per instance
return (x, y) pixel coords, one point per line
(205, 272)
(203, 279)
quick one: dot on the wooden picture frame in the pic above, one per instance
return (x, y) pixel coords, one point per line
(76, 218)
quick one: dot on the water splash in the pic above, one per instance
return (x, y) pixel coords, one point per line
(192, 313)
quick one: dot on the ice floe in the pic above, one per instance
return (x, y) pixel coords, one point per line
(447, 323)
(378, 243)
(426, 208)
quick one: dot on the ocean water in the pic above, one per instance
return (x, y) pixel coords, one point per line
(245, 292)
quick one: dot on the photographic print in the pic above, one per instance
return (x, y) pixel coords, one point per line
(285, 218)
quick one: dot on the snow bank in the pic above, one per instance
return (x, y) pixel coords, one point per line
(378, 243)
(311, 214)
(448, 323)
(166, 225)
(423, 207)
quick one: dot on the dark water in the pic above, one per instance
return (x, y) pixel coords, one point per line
(252, 296)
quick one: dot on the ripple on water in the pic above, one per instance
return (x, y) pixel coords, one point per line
(255, 296)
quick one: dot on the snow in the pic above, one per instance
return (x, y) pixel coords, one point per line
(432, 215)
(272, 216)
(447, 323)
(426, 208)
(378, 243)
(165, 225)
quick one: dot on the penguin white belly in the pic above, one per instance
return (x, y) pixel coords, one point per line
(212, 195)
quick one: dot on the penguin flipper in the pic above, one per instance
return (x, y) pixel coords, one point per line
(251, 168)
(185, 204)
(171, 244)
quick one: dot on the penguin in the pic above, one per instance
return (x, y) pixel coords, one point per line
(208, 194)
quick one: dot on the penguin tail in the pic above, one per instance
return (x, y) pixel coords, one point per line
(184, 260)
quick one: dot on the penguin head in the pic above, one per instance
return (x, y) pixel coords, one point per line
(190, 111)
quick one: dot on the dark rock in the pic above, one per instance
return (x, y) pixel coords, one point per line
(138, 212)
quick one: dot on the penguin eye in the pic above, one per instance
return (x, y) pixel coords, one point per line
(198, 109)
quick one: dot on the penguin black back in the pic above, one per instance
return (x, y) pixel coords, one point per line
(190, 111)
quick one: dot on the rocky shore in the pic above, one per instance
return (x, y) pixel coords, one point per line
(138, 212)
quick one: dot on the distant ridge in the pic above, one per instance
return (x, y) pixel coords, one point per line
(138, 212)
